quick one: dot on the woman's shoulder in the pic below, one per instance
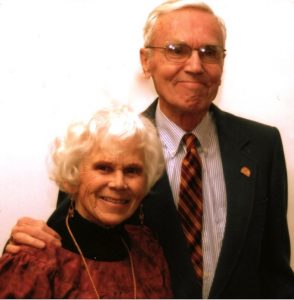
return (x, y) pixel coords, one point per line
(42, 258)
(48, 258)
(39, 273)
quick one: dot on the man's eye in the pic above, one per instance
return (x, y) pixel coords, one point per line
(209, 51)
(177, 49)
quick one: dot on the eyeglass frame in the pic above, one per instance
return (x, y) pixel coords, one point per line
(200, 51)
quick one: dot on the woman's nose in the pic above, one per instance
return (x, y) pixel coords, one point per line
(118, 180)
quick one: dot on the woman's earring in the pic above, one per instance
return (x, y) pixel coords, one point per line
(141, 215)
(146, 74)
(71, 210)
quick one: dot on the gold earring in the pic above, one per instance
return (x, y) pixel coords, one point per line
(141, 215)
(71, 209)
(147, 75)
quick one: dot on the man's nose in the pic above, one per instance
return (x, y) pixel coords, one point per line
(118, 180)
(194, 63)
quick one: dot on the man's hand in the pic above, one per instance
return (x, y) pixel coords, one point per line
(31, 232)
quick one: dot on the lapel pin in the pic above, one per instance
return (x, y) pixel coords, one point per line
(245, 171)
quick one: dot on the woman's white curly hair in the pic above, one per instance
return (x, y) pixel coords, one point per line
(82, 138)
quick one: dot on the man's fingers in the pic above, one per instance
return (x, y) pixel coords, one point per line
(27, 222)
(11, 248)
(35, 236)
(51, 232)
(20, 238)
(34, 233)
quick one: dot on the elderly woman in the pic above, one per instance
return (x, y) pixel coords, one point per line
(106, 166)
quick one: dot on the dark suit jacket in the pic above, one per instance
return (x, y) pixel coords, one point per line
(255, 254)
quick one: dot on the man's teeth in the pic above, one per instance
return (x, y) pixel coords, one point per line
(113, 200)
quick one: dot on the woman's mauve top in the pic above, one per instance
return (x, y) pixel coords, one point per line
(60, 273)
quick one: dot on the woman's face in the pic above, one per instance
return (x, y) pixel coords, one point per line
(112, 182)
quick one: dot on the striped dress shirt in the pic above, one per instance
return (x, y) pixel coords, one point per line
(214, 191)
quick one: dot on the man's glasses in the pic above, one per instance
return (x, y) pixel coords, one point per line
(180, 53)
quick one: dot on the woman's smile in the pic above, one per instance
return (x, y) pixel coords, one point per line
(116, 201)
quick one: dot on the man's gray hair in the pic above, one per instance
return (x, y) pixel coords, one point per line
(172, 5)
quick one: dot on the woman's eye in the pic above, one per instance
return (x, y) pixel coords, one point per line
(133, 170)
(102, 167)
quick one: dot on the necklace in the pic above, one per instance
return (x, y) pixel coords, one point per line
(87, 268)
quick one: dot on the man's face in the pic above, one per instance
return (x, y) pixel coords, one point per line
(184, 89)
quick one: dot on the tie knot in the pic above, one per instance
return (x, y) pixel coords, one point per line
(190, 140)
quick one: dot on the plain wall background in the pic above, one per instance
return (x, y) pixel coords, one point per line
(60, 59)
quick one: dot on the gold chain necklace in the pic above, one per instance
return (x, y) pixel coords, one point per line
(87, 268)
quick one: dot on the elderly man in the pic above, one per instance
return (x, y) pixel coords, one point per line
(221, 221)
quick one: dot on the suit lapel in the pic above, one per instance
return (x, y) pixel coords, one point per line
(240, 173)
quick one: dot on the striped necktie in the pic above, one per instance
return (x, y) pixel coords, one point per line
(190, 206)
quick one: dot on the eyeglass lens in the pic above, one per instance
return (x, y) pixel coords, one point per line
(182, 52)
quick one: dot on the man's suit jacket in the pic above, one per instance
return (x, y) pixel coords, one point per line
(255, 253)
(254, 260)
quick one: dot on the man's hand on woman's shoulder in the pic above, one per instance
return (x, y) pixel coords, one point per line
(31, 232)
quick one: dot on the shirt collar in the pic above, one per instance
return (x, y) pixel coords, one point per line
(171, 135)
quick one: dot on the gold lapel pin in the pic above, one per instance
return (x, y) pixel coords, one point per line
(245, 171)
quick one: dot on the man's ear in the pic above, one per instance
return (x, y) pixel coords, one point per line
(145, 61)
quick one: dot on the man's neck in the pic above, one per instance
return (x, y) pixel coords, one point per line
(185, 120)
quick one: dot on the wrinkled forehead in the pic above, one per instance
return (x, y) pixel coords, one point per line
(188, 23)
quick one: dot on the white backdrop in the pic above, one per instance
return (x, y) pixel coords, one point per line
(63, 58)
